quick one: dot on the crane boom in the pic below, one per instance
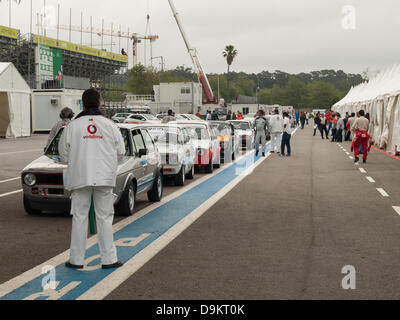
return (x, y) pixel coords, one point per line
(209, 96)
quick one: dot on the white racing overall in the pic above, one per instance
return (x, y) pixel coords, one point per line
(260, 124)
(91, 146)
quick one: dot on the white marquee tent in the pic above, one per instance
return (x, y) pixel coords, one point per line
(15, 110)
(380, 97)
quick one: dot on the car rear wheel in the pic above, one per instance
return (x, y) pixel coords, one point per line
(28, 208)
(210, 167)
(218, 165)
(156, 192)
(126, 204)
(190, 175)
(180, 177)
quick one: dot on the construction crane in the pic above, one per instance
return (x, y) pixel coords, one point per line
(207, 90)
(112, 33)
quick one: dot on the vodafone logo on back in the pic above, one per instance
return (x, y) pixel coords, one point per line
(92, 130)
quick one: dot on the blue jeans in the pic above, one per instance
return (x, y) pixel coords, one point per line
(286, 143)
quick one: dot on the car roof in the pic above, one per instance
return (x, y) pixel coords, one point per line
(129, 126)
(162, 125)
(191, 122)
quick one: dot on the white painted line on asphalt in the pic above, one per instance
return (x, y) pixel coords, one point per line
(363, 170)
(352, 158)
(370, 179)
(348, 153)
(26, 151)
(382, 192)
(113, 281)
(397, 209)
(8, 180)
(10, 193)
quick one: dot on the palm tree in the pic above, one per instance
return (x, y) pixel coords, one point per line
(230, 53)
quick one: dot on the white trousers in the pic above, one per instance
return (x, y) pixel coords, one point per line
(276, 137)
(103, 199)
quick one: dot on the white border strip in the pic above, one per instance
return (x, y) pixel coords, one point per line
(9, 180)
(10, 193)
(26, 151)
(397, 209)
(370, 179)
(382, 192)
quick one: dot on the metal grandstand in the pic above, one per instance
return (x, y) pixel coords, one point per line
(101, 69)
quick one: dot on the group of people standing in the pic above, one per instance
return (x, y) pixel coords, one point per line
(353, 127)
(279, 128)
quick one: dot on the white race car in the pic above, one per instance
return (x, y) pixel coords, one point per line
(176, 150)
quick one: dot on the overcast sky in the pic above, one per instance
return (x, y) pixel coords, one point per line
(287, 35)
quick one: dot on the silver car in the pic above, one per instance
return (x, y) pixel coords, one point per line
(177, 152)
(139, 172)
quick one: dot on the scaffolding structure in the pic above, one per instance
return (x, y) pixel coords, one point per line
(109, 75)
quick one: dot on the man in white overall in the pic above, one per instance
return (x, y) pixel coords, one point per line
(276, 129)
(91, 146)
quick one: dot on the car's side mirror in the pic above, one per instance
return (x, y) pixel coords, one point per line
(142, 152)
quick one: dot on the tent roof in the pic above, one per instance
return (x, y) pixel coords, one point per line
(4, 66)
(386, 83)
(11, 79)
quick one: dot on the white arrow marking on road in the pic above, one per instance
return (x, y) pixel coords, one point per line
(382, 192)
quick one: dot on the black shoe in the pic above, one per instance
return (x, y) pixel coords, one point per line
(112, 266)
(356, 160)
(256, 153)
(364, 161)
(72, 266)
(272, 151)
(263, 154)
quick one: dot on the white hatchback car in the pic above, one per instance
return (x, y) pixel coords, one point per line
(205, 141)
(176, 150)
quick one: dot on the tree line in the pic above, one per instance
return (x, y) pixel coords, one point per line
(317, 89)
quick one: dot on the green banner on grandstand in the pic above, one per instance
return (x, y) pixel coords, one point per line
(50, 64)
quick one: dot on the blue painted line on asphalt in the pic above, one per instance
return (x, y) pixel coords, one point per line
(155, 223)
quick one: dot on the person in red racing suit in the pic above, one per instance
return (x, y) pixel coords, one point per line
(362, 137)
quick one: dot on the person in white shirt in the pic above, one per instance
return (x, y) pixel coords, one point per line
(286, 137)
(91, 145)
(276, 128)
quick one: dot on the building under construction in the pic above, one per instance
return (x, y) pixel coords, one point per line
(47, 63)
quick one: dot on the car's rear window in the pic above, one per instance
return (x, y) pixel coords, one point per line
(241, 125)
(198, 132)
(222, 129)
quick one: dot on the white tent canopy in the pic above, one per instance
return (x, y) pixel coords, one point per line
(380, 98)
(14, 103)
